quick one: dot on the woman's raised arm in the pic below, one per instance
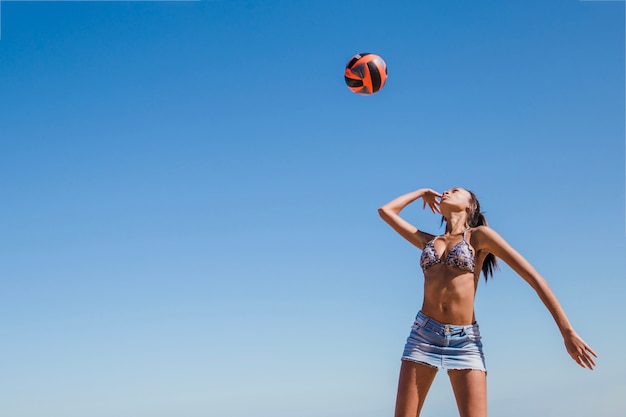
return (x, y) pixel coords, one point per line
(390, 213)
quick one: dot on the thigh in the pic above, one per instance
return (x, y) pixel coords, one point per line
(415, 381)
(470, 391)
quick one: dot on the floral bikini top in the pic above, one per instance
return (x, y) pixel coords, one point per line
(460, 256)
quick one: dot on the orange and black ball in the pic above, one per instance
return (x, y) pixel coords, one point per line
(366, 73)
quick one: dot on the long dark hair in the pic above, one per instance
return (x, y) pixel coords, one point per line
(477, 218)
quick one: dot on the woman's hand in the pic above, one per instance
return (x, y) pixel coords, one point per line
(431, 198)
(579, 350)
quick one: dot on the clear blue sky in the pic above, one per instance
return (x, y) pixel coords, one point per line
(188, 222)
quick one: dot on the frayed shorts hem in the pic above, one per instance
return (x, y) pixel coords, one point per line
(438, 367)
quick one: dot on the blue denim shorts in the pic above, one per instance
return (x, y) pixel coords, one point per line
(444, 346)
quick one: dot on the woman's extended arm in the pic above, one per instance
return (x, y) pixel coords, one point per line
(390, 214)
(492, 242)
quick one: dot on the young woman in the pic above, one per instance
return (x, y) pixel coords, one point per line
(445, 333)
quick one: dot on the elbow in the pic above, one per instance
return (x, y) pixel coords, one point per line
(382, 212)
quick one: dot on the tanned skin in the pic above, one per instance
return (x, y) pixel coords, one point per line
(449, 295)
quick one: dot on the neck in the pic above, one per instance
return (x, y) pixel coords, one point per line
(456, 223)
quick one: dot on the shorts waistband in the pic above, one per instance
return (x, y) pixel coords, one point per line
(450, 329)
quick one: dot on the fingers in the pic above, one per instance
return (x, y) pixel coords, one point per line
(591, 351)
(586, 361)
(432, 203)
(587, 357)
(434, 207)
(580, 351)
(584, 357)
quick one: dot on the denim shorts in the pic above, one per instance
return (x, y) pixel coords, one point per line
(444, 346)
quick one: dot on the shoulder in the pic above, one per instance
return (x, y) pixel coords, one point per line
(482, 232)
(488, 240)
(484, 237)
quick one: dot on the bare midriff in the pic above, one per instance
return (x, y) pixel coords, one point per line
(449, 295)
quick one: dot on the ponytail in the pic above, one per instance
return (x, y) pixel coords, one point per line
(477, 218)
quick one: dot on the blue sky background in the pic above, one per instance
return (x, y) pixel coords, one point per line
(188, 220)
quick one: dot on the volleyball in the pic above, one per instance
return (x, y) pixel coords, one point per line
(366, 73)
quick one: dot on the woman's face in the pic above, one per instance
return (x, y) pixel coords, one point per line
(456, 199)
